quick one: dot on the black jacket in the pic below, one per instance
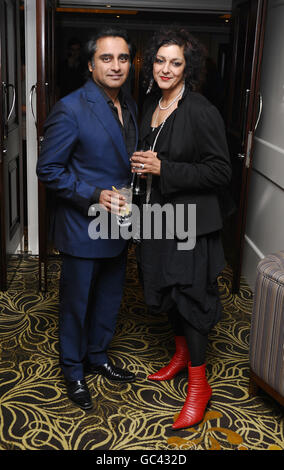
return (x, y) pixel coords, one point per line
(197, 166)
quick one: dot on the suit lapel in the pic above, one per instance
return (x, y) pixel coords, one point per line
(103, 113)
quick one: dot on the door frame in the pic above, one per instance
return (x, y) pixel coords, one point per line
(41, 114)
(5, 209)
(44, 87)
(251, 116)
(3, 264)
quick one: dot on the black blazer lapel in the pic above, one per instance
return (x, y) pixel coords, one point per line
(147, 119)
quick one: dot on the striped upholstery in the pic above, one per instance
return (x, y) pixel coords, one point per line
(266, 351)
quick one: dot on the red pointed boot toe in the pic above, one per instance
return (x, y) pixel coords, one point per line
(198, 396)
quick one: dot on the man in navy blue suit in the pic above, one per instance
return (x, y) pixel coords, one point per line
(89, 138)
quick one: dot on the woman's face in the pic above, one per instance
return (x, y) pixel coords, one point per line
(168, 67)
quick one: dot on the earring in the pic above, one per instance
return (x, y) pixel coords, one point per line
(150, 86)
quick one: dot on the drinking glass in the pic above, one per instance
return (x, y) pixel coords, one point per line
(125, 212)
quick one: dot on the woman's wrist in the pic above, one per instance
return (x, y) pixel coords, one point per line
(159, 167)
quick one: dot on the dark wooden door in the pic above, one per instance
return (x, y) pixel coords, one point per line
(11, 165)
(45, 89)
(243, 106)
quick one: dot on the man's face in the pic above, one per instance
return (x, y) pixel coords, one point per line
(111, 62)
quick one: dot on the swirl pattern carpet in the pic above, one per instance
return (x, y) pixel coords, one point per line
(35, 413)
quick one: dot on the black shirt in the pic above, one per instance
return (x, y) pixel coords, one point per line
(127, 129)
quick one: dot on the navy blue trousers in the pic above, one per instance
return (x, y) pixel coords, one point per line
(90, 296)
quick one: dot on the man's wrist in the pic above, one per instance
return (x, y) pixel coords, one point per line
(95, 198)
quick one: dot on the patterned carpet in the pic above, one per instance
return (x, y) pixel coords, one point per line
(35, 413)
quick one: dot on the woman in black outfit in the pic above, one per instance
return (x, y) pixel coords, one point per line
(188, 164)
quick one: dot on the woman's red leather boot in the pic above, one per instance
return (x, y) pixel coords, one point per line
(178, 362)
(198, 396)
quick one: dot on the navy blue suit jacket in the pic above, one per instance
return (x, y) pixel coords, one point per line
(83, 149)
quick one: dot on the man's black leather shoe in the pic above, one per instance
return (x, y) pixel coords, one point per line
(78, 392)
(111, 372)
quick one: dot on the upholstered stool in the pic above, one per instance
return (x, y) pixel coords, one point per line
(266, 352)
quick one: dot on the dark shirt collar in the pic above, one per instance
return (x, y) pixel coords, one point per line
(121, 96)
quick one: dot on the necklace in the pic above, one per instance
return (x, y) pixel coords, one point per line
(173, 101)
(166, 107)
(149, 176)
(156, 119)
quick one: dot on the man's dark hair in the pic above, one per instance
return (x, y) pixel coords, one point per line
(91, 45)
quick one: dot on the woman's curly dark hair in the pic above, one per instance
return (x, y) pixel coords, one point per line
(194, 54)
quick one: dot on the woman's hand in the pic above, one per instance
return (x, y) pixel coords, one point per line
(145, 162)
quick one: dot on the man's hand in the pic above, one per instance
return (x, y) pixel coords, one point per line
(111, 201)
